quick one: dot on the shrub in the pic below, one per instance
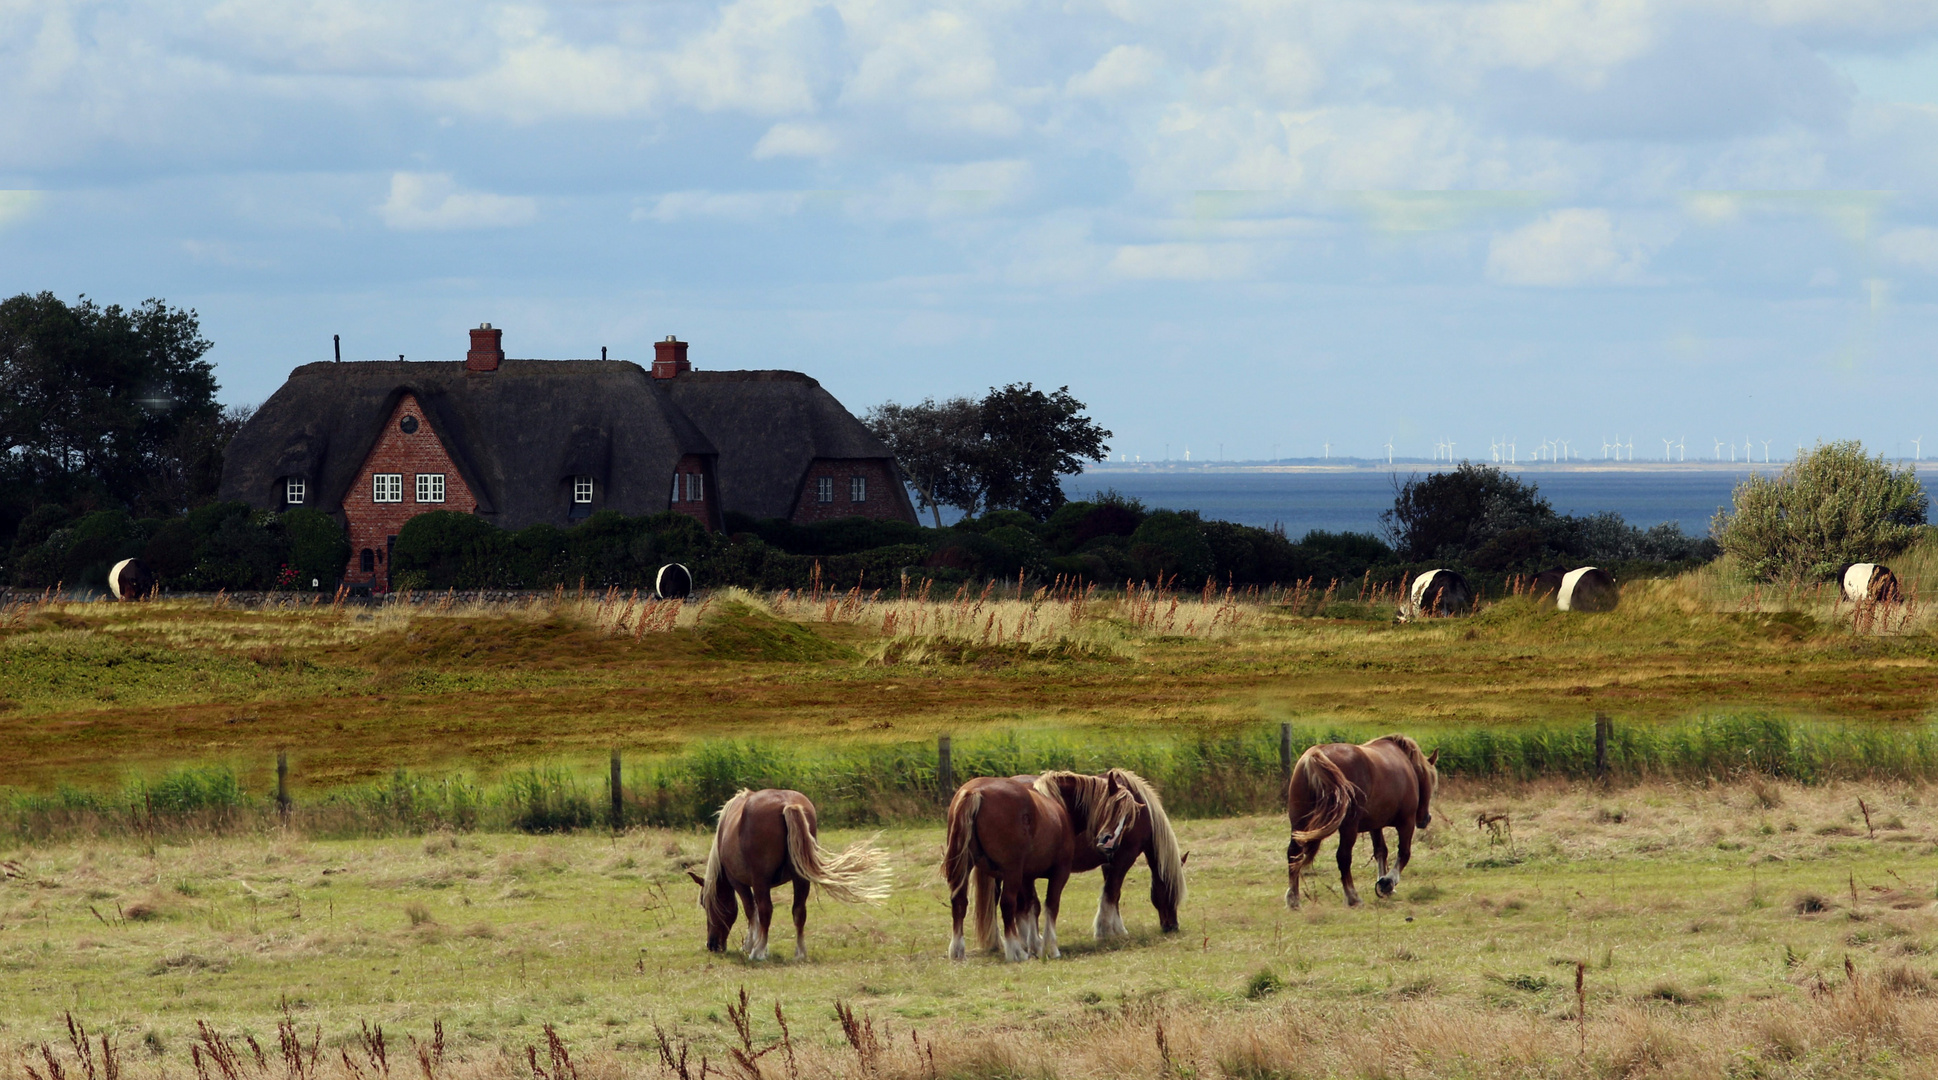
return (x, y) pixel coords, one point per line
(1833, 505)
(1450, 515)
(1170, 542)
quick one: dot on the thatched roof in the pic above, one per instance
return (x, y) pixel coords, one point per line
(771, 425)
(516, 434)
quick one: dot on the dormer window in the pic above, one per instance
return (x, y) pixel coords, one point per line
(582, 491)
(824, 489)
(858, 489)
(295, 490)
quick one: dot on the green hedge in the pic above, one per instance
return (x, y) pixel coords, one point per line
(219, 546)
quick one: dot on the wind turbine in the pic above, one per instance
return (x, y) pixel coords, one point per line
(1631, 448)
(1766, 451)
(1450, 446)
(1389, 451)
(1328, 447)
(1918, 448)
(1666, 445)
(1682, 447)
(1719, 449)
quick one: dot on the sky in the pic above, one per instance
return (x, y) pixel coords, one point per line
(1247, 229)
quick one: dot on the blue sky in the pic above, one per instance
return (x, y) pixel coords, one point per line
(1255, 225)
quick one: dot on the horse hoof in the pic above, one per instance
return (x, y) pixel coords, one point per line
(957, 950)
(1384, 887)
(1291, 899)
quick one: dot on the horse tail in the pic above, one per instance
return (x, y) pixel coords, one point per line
(959, 846)
(1164, 858)
(1332, 794)
(727, 820)
(986, 916)
(858, 874)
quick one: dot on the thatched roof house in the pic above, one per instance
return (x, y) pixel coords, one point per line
(526, 441)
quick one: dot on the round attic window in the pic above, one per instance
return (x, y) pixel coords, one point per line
(408, 424)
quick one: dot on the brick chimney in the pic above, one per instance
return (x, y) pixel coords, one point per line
(487, 350)
(669, 358)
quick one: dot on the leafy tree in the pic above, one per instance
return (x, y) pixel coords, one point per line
(1833, 505)
(1031, 440)
(105, 406)
(935, 443)
(1005, 452)
(1453, 515)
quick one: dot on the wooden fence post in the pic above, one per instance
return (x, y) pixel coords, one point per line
(945, 769)
(618, 796)
(282, 785)
(1285, 752)
(1602, 728)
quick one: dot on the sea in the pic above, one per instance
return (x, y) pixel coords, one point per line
(1351, 500)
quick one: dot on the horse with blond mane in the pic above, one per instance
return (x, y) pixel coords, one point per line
(1006, 834)
(769, 838)
(1346, 789)
(1149, 837)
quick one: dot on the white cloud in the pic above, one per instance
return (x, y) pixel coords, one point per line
(16, 205)
(717, 205)
(1183, 262)
(789, 139)
(433, 201)
(1119, 71)
(1915, 247)
(1566, 247)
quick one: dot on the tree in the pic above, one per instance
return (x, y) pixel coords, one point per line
(105, 405)
(935, 444)
(1005, 452)
(1454, 515)
(1029, 441)
(1833, 505)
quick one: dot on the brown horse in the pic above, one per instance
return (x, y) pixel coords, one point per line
(1347, 789)
(766, 839)
(1148, 836)
(1007, 834)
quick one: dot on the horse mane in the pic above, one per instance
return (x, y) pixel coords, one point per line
(728, 818)
(1082, 793)
(1167, 863)
(1429, 776)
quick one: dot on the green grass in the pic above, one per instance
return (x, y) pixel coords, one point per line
(498, 935)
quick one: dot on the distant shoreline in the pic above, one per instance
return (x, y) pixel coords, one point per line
(1358, 465)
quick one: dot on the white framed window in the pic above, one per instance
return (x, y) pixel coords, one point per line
(387, 487)
(695, 491)
(824, 489)
(857, 489)
(582, 489)
(295, 488)
(430, 487)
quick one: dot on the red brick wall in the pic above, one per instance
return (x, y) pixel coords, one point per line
(702, 509)
(372, 524)
(882, 503)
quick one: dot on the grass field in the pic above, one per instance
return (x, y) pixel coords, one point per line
(1701, 913)
(1728, 923)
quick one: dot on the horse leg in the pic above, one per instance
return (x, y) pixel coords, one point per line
(763, 917)
(800, 918)
(1294, 866)
(1110, 914)
(1383, 884)
(746, 896)
(1162, 898)
(1011, 904)
(1405, 831)
(958, 907)
(1052, 902)
(1346, 838)
(1029, 919)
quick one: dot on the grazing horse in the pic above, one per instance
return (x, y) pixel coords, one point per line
(130, 580)
(1870, 583)
(1347, 789)
(1437, 594)
(1149, 836)
(766, 839)
(1007, 834)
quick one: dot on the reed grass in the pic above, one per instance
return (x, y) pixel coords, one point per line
(857, 783)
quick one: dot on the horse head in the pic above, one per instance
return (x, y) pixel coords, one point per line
(1116, 815)
(719, 922)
